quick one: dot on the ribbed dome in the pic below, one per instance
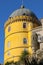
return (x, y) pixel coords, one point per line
(22, 11)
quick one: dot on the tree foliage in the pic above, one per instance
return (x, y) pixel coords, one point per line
(25, 57)
(24, 60)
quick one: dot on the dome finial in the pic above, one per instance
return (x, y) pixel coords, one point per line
(22, 2)
(22, 6)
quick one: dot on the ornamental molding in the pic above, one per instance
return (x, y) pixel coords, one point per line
(21, 19)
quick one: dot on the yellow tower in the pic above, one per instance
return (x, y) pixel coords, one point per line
(18, 33)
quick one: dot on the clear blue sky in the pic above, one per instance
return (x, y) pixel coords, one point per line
(7, 7)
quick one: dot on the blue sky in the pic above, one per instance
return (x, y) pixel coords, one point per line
(7, 7)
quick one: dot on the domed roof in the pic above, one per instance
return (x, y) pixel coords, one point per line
(22, 11)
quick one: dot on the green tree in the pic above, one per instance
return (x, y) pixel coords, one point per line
(25, 58)
(10, 63)
(7, 63)
(41, 62)
(34, 61)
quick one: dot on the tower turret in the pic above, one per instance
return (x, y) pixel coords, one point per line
(18, 33)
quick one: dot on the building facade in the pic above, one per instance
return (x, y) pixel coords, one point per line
(19, 34)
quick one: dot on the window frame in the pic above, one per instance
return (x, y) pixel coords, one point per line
(24, 25)
(9, 28)
(25, 40)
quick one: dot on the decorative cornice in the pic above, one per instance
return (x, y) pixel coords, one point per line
(39, 28)
(15, 33)
(11, 57)
(21, 18)
(17, 48)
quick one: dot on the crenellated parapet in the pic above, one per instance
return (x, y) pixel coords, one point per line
(22, 18)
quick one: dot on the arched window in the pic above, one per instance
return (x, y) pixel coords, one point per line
(25, 41)
(8, 44)
(24, 25)
(9, 28)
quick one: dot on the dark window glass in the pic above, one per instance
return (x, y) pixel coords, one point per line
(9, 28)
(24, 25)
(24, 40)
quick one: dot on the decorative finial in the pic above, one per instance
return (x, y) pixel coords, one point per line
(22, 6)
(22, 2)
